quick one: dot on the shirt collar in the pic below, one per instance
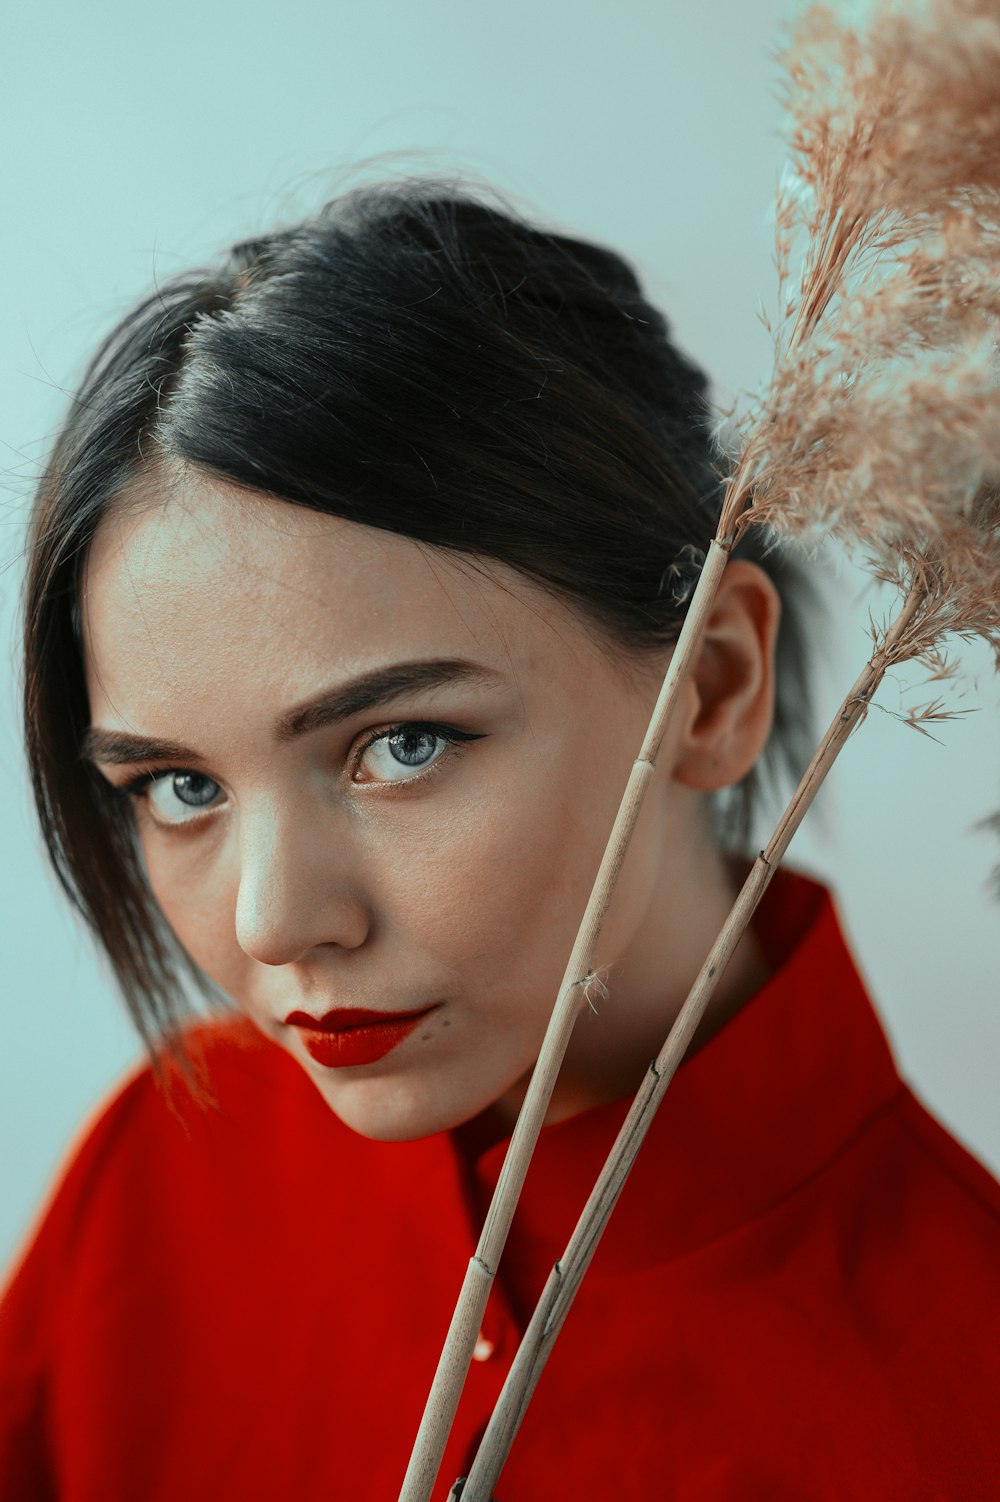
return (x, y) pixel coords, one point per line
(769, 1099)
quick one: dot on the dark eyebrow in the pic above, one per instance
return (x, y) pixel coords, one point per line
(368, 691)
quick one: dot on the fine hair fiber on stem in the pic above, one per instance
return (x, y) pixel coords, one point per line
(415, 357)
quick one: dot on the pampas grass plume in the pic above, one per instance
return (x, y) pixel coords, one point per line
(880, 426)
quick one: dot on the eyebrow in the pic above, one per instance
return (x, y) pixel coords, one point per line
(367, 691)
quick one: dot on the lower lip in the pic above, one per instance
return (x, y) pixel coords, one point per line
(352, 1046)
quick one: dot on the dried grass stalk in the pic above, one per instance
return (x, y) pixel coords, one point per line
(456, 1356)
(947, 593)
(880, 427)
(895, 645)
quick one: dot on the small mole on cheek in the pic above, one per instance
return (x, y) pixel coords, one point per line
(446, 1022)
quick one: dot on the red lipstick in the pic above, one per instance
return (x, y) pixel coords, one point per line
(350, 1036)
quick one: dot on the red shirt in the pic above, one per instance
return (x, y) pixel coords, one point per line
(797, 1297)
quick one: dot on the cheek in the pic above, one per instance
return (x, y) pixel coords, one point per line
(498, 889)
(492, 886)
(490, 892)
(197, 897)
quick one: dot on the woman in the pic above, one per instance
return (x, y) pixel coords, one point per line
(353, 575)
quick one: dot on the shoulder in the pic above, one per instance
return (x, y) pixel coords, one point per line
(957, 1196)
(898, 1241)
(158, 1146)
(910, 1264)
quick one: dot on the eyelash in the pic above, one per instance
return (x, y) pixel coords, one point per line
(449, 733)
(138, 787)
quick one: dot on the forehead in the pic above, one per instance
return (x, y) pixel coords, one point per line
(202, 579)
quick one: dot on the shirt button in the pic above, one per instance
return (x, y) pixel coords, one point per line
(483, 1349)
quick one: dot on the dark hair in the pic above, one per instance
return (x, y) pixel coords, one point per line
(415, 357)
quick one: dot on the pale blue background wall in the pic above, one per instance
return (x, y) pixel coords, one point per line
(139, 139)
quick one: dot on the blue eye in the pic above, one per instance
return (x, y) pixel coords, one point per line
(396, 755)
(175, 797)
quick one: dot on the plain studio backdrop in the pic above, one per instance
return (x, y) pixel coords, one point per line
(139, 140)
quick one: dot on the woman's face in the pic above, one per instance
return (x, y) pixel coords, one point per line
(390, 783)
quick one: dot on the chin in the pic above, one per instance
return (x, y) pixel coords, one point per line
(391, 1110)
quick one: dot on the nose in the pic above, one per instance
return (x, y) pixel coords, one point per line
(295, 890)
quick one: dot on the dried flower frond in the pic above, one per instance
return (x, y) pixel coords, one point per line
(880, 426)
(959, 578)
(902, 115)
(940, 668)
(864, 447)
(919, 716)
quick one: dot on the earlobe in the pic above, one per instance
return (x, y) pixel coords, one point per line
(732, 682)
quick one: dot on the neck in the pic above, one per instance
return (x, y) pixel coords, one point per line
(615, 1040)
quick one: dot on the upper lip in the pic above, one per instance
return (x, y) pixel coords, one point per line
(342, 1018)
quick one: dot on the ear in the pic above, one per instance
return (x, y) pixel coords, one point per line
(730, 699)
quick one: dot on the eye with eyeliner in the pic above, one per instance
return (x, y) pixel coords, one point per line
(139, 787)
(137, 790)
(448, 733)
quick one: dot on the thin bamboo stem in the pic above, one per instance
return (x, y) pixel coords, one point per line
(567, 1274)
(456, 1355)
